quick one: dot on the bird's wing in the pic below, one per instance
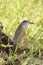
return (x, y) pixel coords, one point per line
(19, 34)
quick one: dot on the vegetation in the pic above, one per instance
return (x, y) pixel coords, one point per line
(12, 12)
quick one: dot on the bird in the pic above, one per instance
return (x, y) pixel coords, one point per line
(20, 31)
(19, 34)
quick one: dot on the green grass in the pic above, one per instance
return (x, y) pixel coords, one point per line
(12, 12)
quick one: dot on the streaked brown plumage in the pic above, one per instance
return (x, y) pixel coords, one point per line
(20, 32)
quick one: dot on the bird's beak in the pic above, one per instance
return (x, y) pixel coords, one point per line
(31, 23)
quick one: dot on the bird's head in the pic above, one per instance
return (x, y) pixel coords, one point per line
(26, 24)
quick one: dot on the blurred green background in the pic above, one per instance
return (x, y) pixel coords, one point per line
(13, 12)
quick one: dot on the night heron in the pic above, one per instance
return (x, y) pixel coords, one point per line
(20, 32)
